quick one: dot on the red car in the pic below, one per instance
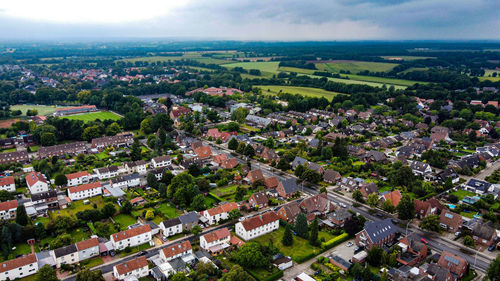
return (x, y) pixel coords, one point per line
(424, 241)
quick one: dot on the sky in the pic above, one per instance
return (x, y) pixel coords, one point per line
(267, 20)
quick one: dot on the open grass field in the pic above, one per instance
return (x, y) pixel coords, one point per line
(87, 117)
(407, 58)
(300, 247)
(296, 69)
(267, 68)
(356, 66)
(77, 206)
(493, 79)
(124, 220)
(42, 109)
(387, 81)
(352, 81)
(304, 91)
(462, 193)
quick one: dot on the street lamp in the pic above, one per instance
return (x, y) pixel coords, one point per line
(407, 227)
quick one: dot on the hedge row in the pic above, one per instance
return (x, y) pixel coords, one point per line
(275, 276)
(216, 197)
(302, 259)
(335, 241)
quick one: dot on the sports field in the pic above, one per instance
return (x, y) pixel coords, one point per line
(42, 109)
(304, 91)
(87, 117)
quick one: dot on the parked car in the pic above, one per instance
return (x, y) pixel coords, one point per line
(349, 244)
(424, 241)
(358, 249)
(143, 253)
(394, 221)
(492, 248)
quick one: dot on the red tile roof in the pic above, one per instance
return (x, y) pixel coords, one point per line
(7, 181)
(77, 175)
(8, 205)
(83, 187)
(226, 208)
(89, 243)
(131, 265)
(217, 235)
(271, 182)
(395, 197)
(16, 263)
(255, 175)
(34, 177)
(260, 220)
(131, 232)
(203, 151)
(137, 199)
(176, 249)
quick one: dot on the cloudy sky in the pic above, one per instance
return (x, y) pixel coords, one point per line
(250, 19)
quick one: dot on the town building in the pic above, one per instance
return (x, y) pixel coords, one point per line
(8, 210)
(121, 140)
(171, 227)
(72, 148)
(131, 237)
(85, 191)
(19, 268)
(37, 182)
(106, 172)
(137, 267)
(216, 240)
(376, 234)
(161, 161)
(287, 188)
(14, 157)
(78, 178)
(87, 249)
(450, 221)
(256, 226)
(176, 251)
(8, 184)
(66, 255)
(221, 212)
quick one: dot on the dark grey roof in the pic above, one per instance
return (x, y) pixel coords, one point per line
(43, 195)
(340, 261)
(479, 185)
(152, 224)
(189, 217)
(439, 273)
(66, 250)
(483, 231)
(380, 229)
(171, 222)
(178, 264)
(298, 161)
(340, 214)
(290, 186)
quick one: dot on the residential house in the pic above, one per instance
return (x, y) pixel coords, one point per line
(339, 216)
(394, 196)
(189, 220)
(420, 168)
(139, 167)
(373, 156)
(121, 140)
(349, 184)
(368, 189)
(230, 163)
(203, 153)
(287, 188)
(478, 186)
(339, 262)
(87, 249)
(78, 178)
(298, 161)
(72, 148)
(450, 221)
(45, 201)
(131, 237)
(283, 263)
(259, 122)
(289, 211)
(161, 161)
(215, 240)
(14, 157)
(138, 201)
(66, 255)
(221, 212)
(331, 176)
(175, 251)
(85, 191)
(484, 234)
(255, 175)
(457, 265)
(376, 233)
(413, 251)
(258, 199)
(315, 167)
(126, 181)
(19, 268)
(8, 184)
(8, 210)
(177, 111)
(436, 206)
(258, 225)
(37, 182)
(137, 267)
(271, 182)
(106, 172)
(422, 208)
(447, 173)
(171, 227)
(318, 204)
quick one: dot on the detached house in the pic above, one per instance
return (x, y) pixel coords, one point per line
(450, 221)
(457, 265)
(176, 251)
(258, 199)
(19, 268)
(8, 209)
(412, 251)
(36, 182)
(161, 161)
(221, 212)
(422, 208)
(331, 176)
(137, 267)
(8, 184)
(78, 178)
(318, 204)
(216, 240)
(254, 176)
(139, 167)
(131, 237)
(289, 212)
(256, 226)
(189, 220)
(203, 152)
(394, 196)
(171, 227)
(376, 234)
(368, 189)
(66, 255)
(420, 168)
(85, 191)
(287, 188)
(106, 172)
(484, 234)
(271, 182)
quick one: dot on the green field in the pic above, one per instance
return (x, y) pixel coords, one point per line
(407, 58)
(462, 193)
(304, 91)
(186, 56)
(267, 68)
(414, 69)
(42, 109)
(352, 81)
(387, 81)
(87, 117)
(356, 66)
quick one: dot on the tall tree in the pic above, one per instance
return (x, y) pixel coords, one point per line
(493, 271)
(237, 273)
(406, 208)
(313, 237)
(87, 275)
(135, 153)
(250, 256)
(21, 215)
(109, 210)
(357, 195)
(430, 223)
(46, 273)
(152, 181)
(301, 227)
(372, 200)
(60, 180)
(232, 144)
(287, 239)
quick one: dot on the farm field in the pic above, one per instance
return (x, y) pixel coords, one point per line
(387, 81)
(356, 66)
(414, 69)
(296, 69)
(187, 56)
(407, 58)
(42, 109)
(267, 68)
(304, 91)
(352, 81)
(8, 122)
(87, 117)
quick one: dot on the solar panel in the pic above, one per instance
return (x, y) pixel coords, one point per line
(452, 260)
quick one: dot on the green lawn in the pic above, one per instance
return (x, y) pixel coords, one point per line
(356, 66)
(78, 235)
(42, 109)
(168, 210)
(135, 250)
(92, 262)
(304, 91)
(77, 206)
(469, 215)
(462, 193)
(87, 117)
(124, 220)
(300, 247)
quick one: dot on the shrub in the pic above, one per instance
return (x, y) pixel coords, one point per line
(335, 241)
